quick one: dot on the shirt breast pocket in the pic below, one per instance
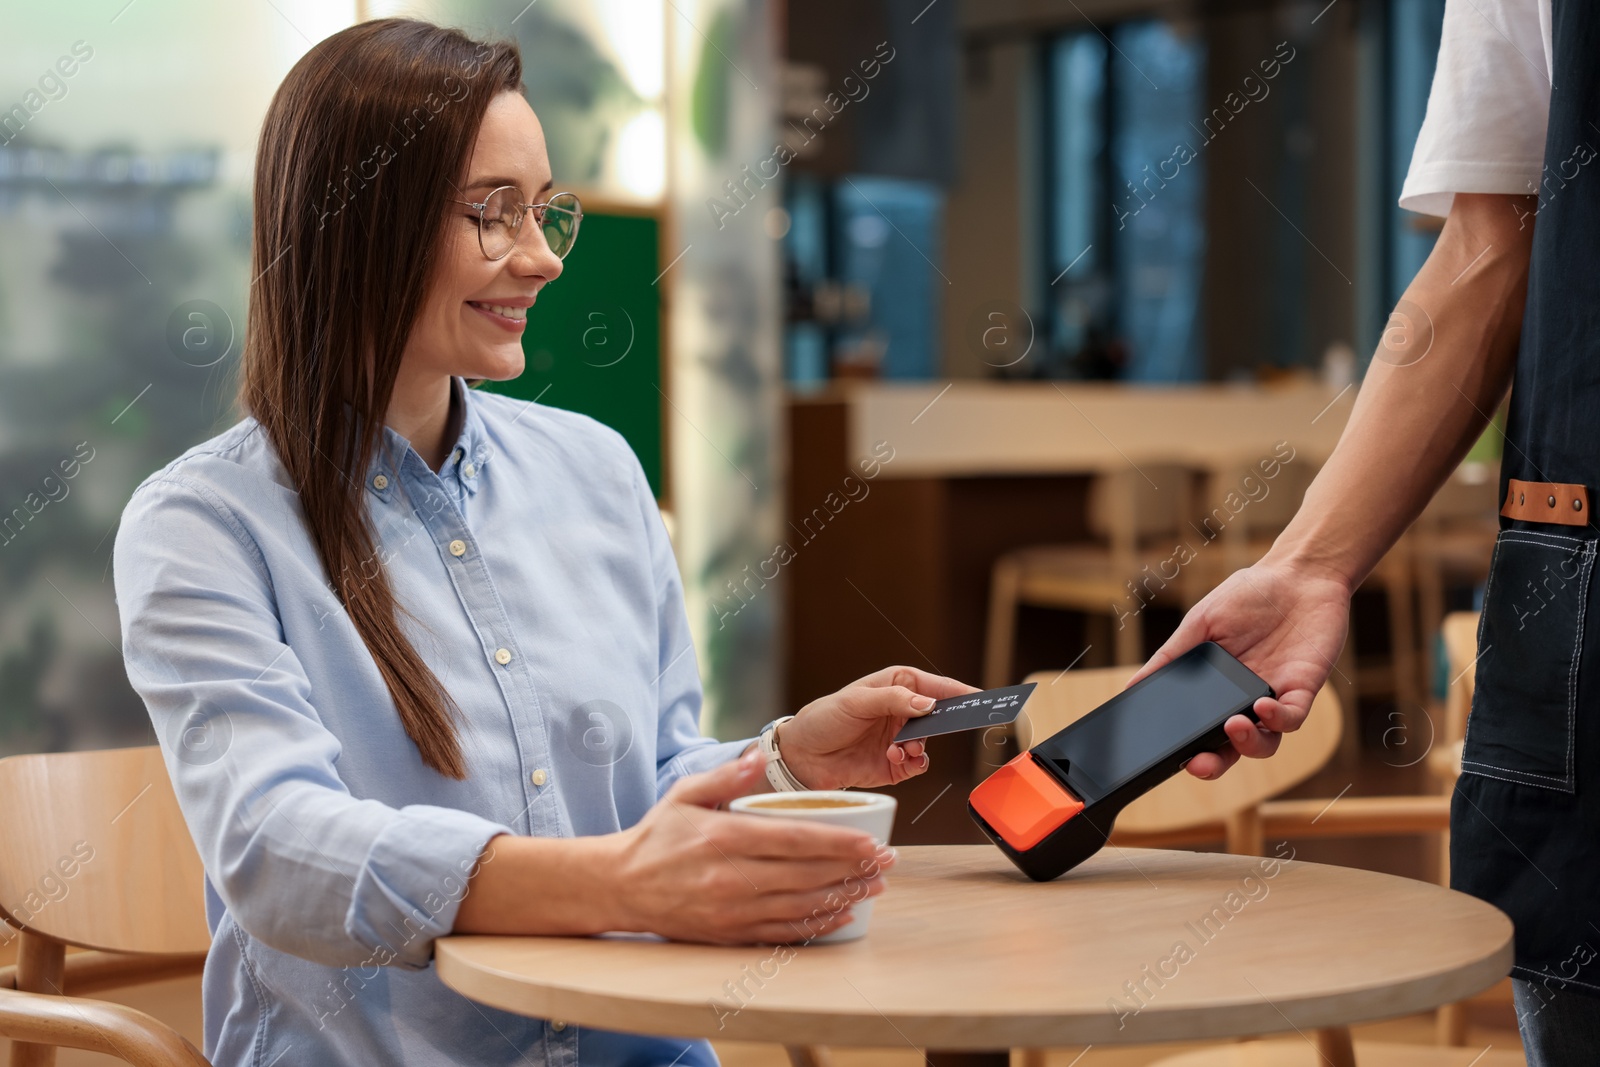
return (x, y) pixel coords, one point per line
(1530, 642)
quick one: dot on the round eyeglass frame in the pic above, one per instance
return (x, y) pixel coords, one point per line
(576, 211)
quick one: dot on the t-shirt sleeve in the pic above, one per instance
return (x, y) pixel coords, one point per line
(1484, 128)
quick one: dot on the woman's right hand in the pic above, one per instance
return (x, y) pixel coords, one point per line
(690, 872)
(1284, 622)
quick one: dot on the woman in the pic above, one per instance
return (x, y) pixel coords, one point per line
(417, 654)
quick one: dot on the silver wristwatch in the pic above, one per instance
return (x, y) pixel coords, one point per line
(778, 773)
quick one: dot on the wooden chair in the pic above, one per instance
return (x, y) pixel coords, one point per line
(1398, 674)
(1452, 542)
(96, 855)
(1247, 511)
(1238, 809)
(1460, 629)
(1139, 514)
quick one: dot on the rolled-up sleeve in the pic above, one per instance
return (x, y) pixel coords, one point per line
(681, 747)
(302, 865)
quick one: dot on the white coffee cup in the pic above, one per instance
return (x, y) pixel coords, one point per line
(872, 812)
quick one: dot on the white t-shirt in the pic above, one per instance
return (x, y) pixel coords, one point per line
(1484, 128)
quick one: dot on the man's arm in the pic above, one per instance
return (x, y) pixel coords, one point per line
(1443, 367)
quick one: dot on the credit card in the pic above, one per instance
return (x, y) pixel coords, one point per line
(974, 711)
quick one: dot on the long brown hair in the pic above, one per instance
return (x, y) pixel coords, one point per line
(362, 145)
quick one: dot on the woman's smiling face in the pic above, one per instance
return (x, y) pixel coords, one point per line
(472, 320)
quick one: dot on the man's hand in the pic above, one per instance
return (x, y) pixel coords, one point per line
(1285, 624)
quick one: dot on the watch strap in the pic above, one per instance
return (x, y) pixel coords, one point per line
(778, 773)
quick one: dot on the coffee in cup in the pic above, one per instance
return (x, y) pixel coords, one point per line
(804, 802)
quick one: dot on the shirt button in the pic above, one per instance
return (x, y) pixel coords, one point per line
(558, 1026)
(380, 482)
(458, 548)
(502, 657)
(539, 777)
(455, 455)
(468, 469)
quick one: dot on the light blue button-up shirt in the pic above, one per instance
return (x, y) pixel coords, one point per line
(547, 601)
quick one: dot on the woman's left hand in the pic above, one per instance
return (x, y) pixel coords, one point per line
(847, 738)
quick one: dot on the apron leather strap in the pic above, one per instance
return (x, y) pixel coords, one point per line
(1557, 502)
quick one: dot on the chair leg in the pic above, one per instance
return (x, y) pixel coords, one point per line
(1443, 845)
(1098, 632)
(1128, 639)
(808, 1056)
(41, 968)
(1335, 1048)
(1344, 680)
(1000, 644)
(1430, 616)
(1403, 637)
(1245, 833)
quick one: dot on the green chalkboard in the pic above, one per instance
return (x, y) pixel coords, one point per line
(593, 340)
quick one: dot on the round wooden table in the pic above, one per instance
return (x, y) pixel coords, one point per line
(964, 953)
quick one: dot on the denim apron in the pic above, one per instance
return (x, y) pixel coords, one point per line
(1525, 815)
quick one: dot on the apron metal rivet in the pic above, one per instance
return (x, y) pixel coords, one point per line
(1577, 505)
(1521, 499)
(1552, 501)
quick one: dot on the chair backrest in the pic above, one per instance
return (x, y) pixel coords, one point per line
(1241, 502)
(1184, 801)
(95, 853)
(1471, 493)
(1132, 505)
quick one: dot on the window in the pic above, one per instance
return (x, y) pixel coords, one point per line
(861, 269)
(1411, 33)
(1125, 195)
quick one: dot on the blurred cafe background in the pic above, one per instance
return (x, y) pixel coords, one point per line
(983, 336)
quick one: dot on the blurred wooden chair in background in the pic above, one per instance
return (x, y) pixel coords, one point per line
(1452, 542)
(1239, 809)
(1247, 510)
(1140, 515)
(95, 854)
(1397, 673)
(1460, 630)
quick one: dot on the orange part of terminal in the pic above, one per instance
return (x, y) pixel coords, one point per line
(1023, 802)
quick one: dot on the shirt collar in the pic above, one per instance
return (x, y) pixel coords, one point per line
(466, 461)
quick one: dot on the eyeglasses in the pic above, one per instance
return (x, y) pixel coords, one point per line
(500, 219)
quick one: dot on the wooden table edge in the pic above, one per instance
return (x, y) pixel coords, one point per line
(665, 1017)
